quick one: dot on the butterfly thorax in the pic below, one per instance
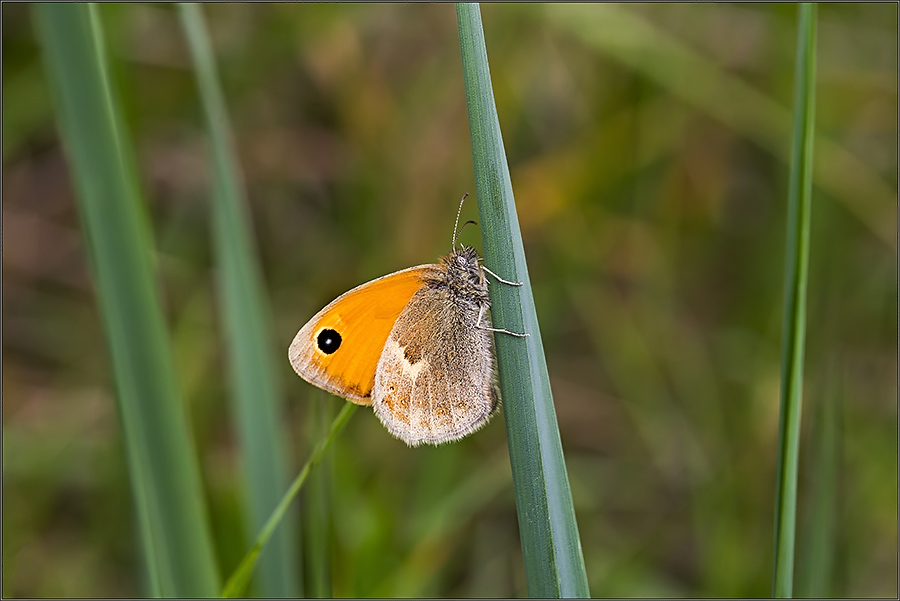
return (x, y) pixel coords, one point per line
(465, 277)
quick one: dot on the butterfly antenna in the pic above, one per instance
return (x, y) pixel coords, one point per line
(456, 225)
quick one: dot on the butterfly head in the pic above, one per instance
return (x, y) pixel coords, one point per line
(464, 273)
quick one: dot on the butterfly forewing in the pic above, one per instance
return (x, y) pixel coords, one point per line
(338, 349)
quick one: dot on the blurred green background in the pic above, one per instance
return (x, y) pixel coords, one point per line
(647, 147)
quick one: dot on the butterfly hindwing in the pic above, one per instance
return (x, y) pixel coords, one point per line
(436, 379)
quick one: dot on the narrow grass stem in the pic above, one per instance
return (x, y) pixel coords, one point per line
(796, 275)
(237, 582)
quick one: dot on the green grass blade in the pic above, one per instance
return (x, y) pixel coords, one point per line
(162, 462)
(237, 582)
(257, 398)
(551, 546)
(794, 332)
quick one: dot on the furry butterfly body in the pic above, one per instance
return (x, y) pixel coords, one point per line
(416, 344)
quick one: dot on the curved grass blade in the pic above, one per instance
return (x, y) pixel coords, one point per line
(634, 41)
(237, 582)
(796, 275)
(554, 566)
(257, 398)
(163, 468)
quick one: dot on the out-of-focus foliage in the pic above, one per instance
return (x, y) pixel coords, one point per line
(653, 217)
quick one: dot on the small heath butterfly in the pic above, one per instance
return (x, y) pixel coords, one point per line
(416, 344)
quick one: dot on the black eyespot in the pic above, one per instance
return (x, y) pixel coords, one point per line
(329, 341)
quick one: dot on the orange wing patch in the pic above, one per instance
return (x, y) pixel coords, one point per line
(361, 319)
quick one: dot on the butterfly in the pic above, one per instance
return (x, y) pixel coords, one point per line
(416, 344)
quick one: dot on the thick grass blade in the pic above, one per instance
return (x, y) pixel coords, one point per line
(256, 395)
(161, 459)
(237, 582)
(551, 546)
(796, 273)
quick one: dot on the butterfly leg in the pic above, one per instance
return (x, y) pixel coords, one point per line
(499, 279)
(483, 327)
